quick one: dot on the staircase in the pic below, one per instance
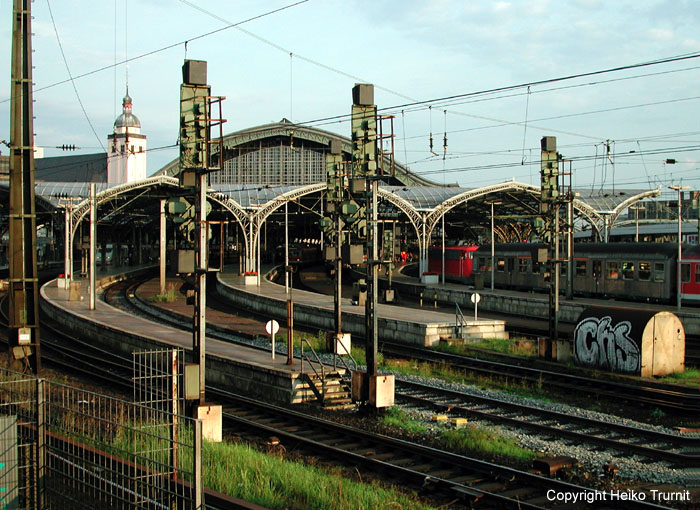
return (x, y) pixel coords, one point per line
(337, 394)
(324, 383)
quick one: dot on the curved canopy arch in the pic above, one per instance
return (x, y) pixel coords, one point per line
(140, 188)
(280, 199)
(288, 133)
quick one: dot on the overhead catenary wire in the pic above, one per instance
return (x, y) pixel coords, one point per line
(168, 47)
(70, 75)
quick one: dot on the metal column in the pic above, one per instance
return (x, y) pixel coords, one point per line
(93, 240)
(23, 281)
(162, 245)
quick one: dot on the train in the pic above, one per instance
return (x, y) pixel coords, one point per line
(304, 254)
(628, 271)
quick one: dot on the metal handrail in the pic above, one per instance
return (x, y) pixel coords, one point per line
(459, 320)
(323, 370)
(345, 364)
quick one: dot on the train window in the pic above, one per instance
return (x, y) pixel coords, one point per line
(482, 263)
(613, 270)
(523, 263)
(659, 271)
(511, 265)
(500, 265)
(697, 273)
(628, 270)
(535, 267)
(644, 271)
(563, 269)
(597, 269)
(685, 273)
(471, 255)
(581, 268)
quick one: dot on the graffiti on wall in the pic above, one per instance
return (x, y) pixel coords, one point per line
(598, 343)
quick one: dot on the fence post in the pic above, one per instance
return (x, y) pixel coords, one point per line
(174, 373)
(40, 444)
(197, 456)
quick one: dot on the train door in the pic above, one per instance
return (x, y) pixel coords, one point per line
(597, 276)
(690, 280)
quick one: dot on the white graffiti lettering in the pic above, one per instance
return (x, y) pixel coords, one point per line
(598, 344)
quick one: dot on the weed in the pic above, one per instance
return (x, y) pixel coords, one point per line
(167, 296)
(479, 439)
(657, 414)
(397, 417)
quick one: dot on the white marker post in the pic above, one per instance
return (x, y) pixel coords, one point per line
(475, 298)
(272, 327)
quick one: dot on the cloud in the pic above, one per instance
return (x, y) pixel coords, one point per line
(660, 34)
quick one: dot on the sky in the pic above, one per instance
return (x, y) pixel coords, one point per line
(619, 129)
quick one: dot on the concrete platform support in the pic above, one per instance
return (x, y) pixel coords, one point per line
(211, 422)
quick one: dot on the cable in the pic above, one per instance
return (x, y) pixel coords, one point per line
(527, 109)
(427, 102)
(286, 50)
(99, 157)
(170, 46)
(664, 150)
(72, 81)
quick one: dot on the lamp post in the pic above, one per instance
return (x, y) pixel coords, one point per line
(678, 281)
(636, 209)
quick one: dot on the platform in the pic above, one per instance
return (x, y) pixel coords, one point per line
(395, 323)
(229, 366)
(531, 305)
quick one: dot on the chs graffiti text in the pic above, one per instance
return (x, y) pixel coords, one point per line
(597, 343)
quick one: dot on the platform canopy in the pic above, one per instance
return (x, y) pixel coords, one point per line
(513, 202)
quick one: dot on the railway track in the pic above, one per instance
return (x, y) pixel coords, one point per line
(678, 450)
(473, 480)
(481, 483)
(469, 479)
(651, 444)
(669, 397)
(517, 326)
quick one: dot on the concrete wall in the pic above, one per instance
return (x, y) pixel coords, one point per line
(225, 373)
(324, 319)
(532, 305)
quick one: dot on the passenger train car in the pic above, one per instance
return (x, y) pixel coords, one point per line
(631, 271)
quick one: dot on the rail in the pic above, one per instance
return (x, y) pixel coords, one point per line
(322, 395)
(459, 321)
(337, 356)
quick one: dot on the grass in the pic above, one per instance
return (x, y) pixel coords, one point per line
(452, 375)
(690, 377)
(513, 346)
(267, 479)
(473, 440)
(479, 439)
(275, 483)
(168, 296)
(397, 417)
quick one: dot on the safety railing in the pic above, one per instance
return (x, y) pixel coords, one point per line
(459, 321)
(322, 394)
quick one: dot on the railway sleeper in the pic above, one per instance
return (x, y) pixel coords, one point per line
(520, 493)
(490, 486)
(467, 479)
(381, 456)
(426, 468)
(467, 494)
(403, 462)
